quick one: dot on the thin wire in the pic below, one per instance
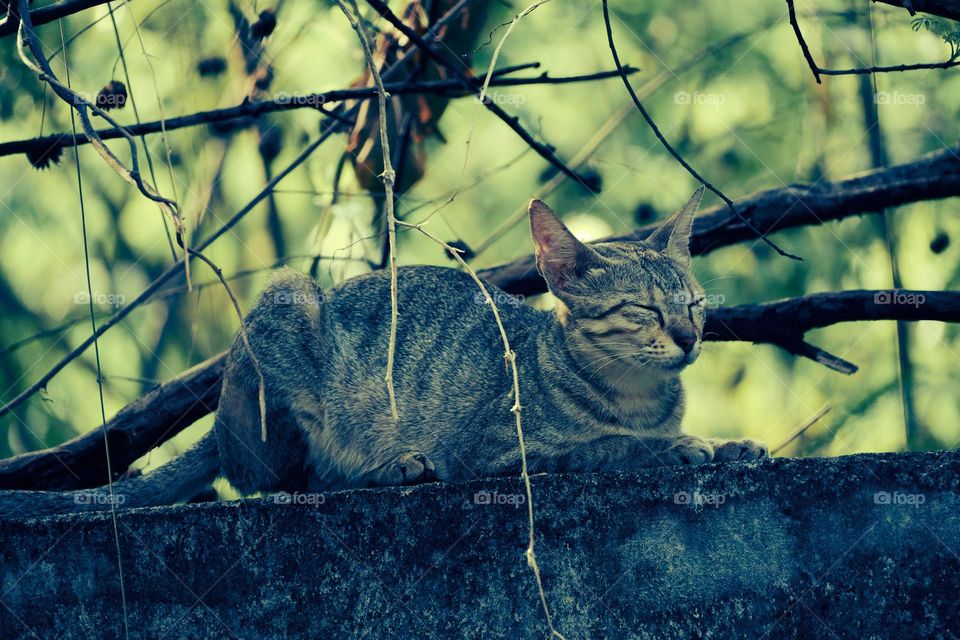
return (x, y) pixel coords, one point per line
(96, 348)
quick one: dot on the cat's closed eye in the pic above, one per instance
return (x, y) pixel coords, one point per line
(645, 313)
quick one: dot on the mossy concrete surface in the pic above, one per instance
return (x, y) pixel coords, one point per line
(856, 547)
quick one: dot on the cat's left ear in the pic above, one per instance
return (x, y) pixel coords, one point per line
(672, 238)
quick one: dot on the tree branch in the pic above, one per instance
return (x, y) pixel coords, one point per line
(46, 14)
(174, 405)
(784, 322)
(147, 423)
(944, 8)
(249, 110)
(544, 151)
(818, 71)
(669, 147)
(930, 177)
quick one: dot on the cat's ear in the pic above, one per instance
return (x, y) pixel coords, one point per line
(672, 238)
(561, 258)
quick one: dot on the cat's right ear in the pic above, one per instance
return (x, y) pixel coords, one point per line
(673, 236)
(561, 258)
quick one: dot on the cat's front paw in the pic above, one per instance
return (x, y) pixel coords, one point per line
(409, 468)
(687, 450)
(732, 450)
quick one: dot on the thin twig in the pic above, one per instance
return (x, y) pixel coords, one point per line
(27, 38)
(136, 116)
(669, 147)
(544, 151)
(482, 99)
(388, 176)
(792, 16)
(509, 354)
(255, 108)
(605, 130)
(812, 420)
(818, 71)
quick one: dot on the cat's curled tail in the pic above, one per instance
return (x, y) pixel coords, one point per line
(179, 479)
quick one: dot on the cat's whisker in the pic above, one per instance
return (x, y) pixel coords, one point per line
(608, 360)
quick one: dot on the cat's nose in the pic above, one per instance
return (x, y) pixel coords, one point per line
(684, 338)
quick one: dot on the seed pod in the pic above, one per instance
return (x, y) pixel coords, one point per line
(212, 66)
(271, 141)
(940, 242)
(45, 156)
(264, 25)
(112, 96)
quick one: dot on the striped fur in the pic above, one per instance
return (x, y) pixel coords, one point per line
(598, 377)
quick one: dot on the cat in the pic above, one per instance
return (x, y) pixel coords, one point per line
(598, 375)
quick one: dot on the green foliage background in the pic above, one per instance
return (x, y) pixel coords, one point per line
(755, 119)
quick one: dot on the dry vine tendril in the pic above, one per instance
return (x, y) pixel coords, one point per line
(509, 355)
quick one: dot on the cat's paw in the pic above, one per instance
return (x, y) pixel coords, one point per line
(687, 450)
(410, 468)
(732, 450)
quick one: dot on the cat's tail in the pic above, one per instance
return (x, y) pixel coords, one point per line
(180, 479)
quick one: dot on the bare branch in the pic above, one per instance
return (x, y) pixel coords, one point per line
(166, 410)
(784, 323)
(666, 145)
(139, 427)
(930, 177)
(544, 151)
(247, 111)
(47, 14)
(944, 8)
(818, 71)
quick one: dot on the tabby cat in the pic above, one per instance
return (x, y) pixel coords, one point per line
(599, 377)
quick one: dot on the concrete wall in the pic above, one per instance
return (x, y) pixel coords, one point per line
(855, 547)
